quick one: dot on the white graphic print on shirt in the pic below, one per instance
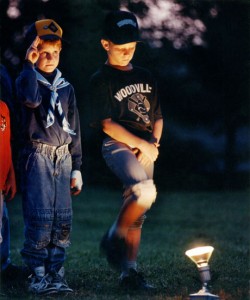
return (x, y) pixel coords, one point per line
(137, 102)
(139, 105)
(131, 89)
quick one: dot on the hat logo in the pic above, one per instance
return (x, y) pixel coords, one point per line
(126, 22)
(51, 26)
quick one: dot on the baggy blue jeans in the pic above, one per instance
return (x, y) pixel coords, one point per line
(47, 205)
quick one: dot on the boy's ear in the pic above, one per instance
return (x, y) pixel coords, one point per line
(105, 44)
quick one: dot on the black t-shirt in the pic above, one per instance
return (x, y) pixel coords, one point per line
(127, 97)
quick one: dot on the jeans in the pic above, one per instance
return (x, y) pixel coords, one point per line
(5, 245)
(123, 163)
(47, 205)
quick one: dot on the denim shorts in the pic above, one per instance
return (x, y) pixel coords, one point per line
(122, 161)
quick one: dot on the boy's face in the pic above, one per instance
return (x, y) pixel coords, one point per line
(119, 55)
(49, 55)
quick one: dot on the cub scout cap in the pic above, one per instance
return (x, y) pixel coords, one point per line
(121, 27)
(46, 29)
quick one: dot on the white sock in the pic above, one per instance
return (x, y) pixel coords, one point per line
(131, 265)
(128, 265)
(112, 230)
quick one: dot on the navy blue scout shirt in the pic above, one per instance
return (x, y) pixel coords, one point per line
(127, 97)
(35, 98)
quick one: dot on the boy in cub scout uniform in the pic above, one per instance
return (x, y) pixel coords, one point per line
(51, 158)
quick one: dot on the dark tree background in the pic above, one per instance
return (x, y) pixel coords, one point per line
(199, 53)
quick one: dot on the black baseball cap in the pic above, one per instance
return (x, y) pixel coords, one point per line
(121, 27)
(46, 29)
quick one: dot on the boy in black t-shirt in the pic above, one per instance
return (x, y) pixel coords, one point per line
(127, 109)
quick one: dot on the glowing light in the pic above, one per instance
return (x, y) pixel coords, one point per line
(200, 256)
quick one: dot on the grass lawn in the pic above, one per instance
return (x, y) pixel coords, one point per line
(177, 222)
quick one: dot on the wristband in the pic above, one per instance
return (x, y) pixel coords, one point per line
(78, 176)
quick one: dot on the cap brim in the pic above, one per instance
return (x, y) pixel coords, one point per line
(123, 41)
(50, 37)
(124, 35)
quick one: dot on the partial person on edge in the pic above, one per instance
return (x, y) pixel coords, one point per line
(9, 271)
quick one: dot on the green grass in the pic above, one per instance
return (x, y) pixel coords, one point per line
(176, 222)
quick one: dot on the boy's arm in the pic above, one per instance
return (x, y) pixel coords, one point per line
(119, 133)
(75, 148)
(157, 132)
(155, 139)
(26, 83)
(27, 86)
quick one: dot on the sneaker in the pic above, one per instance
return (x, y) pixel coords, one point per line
(59, 283)
(135, 281)
(114, 248)
(40, 283)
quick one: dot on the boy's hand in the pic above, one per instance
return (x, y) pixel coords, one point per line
(10, 185)
(143, 159)
(32, 53)
(150, 150)
(76, 182)
(9, 193)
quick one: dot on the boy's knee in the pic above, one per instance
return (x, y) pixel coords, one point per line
(143, 192)
(61, 235)
(38, 235)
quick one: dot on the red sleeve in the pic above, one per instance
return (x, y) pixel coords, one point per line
(5, 148)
